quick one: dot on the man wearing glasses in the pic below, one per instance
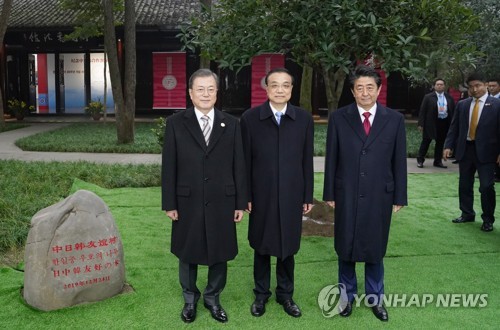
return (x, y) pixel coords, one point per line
(278, 146)
(203, 192)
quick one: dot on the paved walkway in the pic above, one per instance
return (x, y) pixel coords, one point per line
(8, 150)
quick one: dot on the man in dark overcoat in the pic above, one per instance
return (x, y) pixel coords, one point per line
(474, 138)
(203, 192)
(434, 118)
(365, 181)
(278, 144)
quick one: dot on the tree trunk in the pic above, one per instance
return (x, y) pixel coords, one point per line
(306, 88)
(334, 83)
(114, 69)
(130, 72)
(205, 62)
(4, 19)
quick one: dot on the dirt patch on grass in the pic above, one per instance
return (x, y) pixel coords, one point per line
(318, 222)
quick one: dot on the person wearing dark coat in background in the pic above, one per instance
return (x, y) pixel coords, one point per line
(434, 120)
(474, 138)
(203, 192)
(365, 181)
(278, 145)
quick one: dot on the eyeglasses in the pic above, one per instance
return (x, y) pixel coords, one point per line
(285, 87)
(368, 89)
(209, 90)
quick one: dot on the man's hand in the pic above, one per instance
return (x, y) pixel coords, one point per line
(249, 208)
(446, 154)
(330, 203)
(420, 128)
(396, 208)
(173, 215)
(498, 160)
(306, 208)
(238, 215)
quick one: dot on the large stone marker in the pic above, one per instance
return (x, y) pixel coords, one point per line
(74, 254)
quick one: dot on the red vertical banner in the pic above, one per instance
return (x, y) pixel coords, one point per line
(43, 86)
(261, 65)
(455, 94)
(169, 80)
(382, 97)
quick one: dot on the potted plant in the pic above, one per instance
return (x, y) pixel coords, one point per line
(18, 108)
(95, 109)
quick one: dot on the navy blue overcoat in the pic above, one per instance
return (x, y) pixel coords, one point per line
(365, 176)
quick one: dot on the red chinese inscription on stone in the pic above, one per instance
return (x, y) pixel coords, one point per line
(82, 258)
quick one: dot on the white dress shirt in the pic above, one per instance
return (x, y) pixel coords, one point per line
(210, 115)
(372, 110)
(274, 110)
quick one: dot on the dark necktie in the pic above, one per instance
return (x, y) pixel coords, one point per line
(366, 123)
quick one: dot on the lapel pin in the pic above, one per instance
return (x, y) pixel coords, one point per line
(486, 104)
(222, 125)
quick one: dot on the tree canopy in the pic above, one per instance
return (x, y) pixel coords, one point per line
(416, 38)
(487, 37)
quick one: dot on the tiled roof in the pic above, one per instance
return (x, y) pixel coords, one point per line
(47, 13)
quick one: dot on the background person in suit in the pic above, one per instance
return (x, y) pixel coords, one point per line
(494, 90)
(436, 112)
(365, 181)
(278, 144)
(203, 192)
(474, 136)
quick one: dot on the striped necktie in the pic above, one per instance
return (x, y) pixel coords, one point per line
(206, 129)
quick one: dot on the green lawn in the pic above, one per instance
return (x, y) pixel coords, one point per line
(9, 126)
(101, 137)
(427, 254)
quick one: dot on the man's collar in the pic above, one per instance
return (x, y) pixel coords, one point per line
(200, 114)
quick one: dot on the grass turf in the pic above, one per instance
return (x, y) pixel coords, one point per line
(427, 254)
(101, 137)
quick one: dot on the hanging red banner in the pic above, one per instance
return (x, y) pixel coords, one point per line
(382, 97)
(43, 86)
(169, 80)
(261, 65)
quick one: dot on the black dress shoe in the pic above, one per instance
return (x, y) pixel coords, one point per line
(462, 220)
(188, 313)
(347, 310)
(258, 308)
(380, 312)
(487, 226)
(420, 164)
(455, 162)
(440, 165)
(291, 308)
(217, 312)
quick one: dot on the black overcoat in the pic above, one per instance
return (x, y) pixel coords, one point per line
(365, 176)
(205, 185)
(428, 115)
(279, 161)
